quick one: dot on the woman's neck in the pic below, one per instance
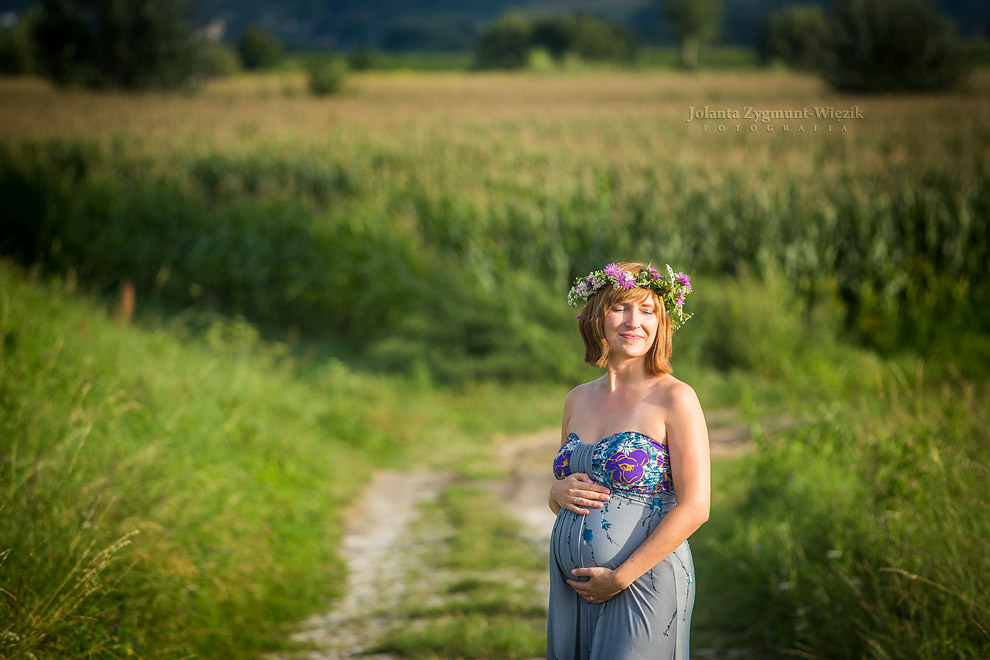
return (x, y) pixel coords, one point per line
(626, 374)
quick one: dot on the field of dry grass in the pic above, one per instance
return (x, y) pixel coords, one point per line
(622, 118)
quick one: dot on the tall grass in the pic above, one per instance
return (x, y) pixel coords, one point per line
(479, 216)
(168, 492)
(860, 535)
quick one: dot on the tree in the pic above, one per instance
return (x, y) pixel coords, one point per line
(258, 49)
(891, 45)
(797, 35)
(506, 44)
(16, 56)
(596, 39)
(695, 22)
(131, 44)
(511, 41)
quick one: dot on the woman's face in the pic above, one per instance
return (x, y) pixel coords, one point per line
(631, 326)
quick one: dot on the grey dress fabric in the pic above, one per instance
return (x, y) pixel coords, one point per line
(652, 617)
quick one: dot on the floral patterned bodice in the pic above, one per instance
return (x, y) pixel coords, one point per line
(629, 461)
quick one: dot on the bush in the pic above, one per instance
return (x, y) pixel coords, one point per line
(326, 76)
(891, 45)
(218, 60)
(258, 49)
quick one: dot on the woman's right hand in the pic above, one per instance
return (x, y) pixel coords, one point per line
(577, 491)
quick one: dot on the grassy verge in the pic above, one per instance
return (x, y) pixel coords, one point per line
(167, 493)
(860, 535)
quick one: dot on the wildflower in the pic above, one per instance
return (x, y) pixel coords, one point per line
(613, 271)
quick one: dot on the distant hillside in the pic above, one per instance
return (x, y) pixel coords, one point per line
(453, 25)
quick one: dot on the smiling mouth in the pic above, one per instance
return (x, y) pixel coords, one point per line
(631, 337)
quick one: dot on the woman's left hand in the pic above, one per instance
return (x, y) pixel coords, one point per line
(603, 585)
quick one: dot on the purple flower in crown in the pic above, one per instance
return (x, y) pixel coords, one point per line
(613, 271)
(679, 299)
(685, 281)
(627, 468)
(622, 279)
(562, 465)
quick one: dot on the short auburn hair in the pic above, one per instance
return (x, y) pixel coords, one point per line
(591, 324)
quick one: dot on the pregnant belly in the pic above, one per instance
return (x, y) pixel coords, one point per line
(604, 537)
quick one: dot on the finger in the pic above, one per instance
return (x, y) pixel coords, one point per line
(592, 495)
(586, 501)
(588, 484)
(580, 587)
(576, 508)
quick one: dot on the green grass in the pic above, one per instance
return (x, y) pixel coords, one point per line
(168, 492)
(861, 534)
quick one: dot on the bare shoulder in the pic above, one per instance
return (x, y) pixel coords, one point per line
(675, 393)
(581, 393)
(683, 417)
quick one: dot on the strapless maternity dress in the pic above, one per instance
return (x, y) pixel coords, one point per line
(652, 617)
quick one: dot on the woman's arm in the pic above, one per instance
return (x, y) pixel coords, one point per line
(690, 464)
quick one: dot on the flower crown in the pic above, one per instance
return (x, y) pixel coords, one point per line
(672, 288)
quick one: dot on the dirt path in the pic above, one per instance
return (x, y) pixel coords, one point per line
(376, 537)
(375, 541)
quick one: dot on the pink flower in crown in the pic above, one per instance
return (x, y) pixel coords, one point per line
(685, 280)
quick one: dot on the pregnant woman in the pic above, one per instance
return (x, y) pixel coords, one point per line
(633, 477)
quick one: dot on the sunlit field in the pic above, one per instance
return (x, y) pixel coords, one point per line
(327, 287)
(632, 120)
